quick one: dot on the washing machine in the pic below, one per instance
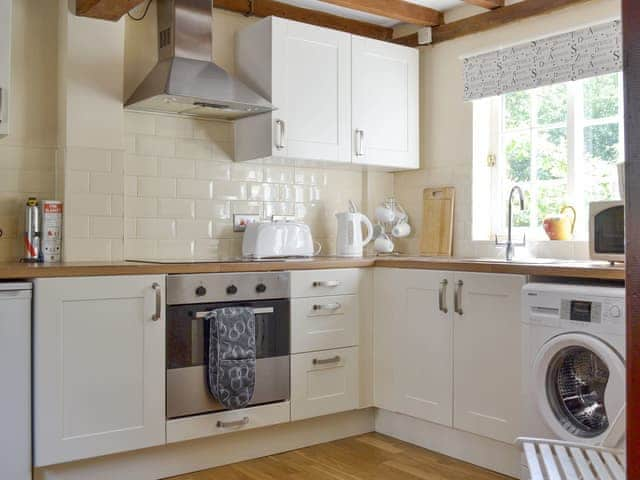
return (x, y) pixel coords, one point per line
(573, 361)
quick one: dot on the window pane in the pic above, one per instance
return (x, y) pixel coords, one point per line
(551, 154)
(601, 96)
(552, 106)
(518, 154)
(601, 153)
(517, 106)
(552, 196)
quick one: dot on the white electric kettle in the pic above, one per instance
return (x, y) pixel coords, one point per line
(349, 242)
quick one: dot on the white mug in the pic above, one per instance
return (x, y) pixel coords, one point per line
(384, 214)
(383, 244)
(401, 230)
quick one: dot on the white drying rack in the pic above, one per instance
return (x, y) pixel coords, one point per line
(557, 460)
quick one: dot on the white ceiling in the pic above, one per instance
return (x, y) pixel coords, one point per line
(441, 5)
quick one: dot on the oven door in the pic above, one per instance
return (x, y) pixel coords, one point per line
(607, 231)
(188, 356)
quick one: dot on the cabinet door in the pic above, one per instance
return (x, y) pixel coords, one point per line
(487, 355)
(324, 382)
(412, 344)
(385, 104)
(99, 366)
(312, 90)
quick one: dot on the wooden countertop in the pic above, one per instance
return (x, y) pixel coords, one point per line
(552, 268)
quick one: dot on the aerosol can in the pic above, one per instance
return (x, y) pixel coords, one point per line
(32, 235)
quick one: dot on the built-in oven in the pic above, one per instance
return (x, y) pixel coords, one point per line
(189, 299)
(606, 231)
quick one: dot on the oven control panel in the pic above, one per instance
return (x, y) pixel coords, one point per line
(224, 287)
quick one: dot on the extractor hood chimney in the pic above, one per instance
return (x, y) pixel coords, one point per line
(185, 79)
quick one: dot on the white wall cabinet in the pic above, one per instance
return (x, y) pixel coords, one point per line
(456, 367)
(305, 71)
(385, 104)
(5, 64)
(99, 366)
(487, 355)
(340, 98)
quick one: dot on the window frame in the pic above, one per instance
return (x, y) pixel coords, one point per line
(489, 123)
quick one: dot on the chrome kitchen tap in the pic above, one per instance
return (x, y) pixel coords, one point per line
(510, 245)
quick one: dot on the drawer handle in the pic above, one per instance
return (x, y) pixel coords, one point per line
(326, 361)
(327, 283)
(256, 311)
(328, 306)
(235, 423)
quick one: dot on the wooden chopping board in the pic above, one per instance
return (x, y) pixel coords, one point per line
(437, 222)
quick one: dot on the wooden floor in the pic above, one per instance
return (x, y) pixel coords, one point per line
(366, 457)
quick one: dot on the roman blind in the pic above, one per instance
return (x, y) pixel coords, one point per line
(583, 53)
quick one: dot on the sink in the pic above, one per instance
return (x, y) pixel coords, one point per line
(540, 261)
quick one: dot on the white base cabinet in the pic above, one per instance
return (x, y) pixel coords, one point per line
(324, 382)
(487, 355)
(452, 362)
(99, 366)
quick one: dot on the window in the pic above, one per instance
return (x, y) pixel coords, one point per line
(560, 143)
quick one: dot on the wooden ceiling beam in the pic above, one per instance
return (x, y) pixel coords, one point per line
(489, 4)
(266, 8)
(489, 20)
(105, 9)
(396, 9)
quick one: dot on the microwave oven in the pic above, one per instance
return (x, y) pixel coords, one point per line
(606, 231)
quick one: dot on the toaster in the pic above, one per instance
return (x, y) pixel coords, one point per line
(277, 239)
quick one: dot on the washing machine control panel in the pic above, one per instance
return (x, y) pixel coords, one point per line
(596, 311)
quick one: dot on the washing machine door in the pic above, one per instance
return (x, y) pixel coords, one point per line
(580, 387)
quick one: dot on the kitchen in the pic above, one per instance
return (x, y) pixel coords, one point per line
(153, 202)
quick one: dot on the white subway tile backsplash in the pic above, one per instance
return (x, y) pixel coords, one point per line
(139, 123)
(216, 209)
(176, 167)
(194, 229)
(77, 226)
(229, 190)
(78, 181)
(176, 208)
(213, 170)
(195, 149)
(107, 183)
(151, 145)
(88, 204)
(88, 159)
(156, 228)
(140, 165)
(139, 207)
(156, 187)
(182, 188)
(107, 227)
(188, 188)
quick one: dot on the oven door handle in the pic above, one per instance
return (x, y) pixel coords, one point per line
(256, 311)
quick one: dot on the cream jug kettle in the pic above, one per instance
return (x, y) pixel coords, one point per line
(349, 242)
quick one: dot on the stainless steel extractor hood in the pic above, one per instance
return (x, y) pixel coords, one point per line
(185, 80)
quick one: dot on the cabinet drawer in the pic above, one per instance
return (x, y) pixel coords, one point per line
(321, 323)
(324, 382)
(228, 421)
(319, 283)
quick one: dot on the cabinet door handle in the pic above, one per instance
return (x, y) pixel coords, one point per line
(442, 296)
(328, 284)
(326, 361)
(281, 133)
(328, 306)
(235, 423)
(158, 291)
(359, 143)
(457, 298)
